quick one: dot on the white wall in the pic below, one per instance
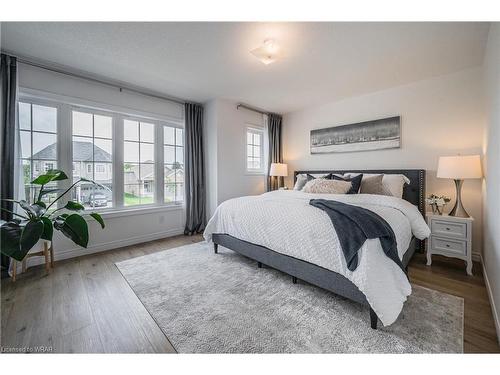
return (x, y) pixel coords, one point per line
(439, 116)
(225, 140)
(39, 79)
(491, 252)
(122, 227)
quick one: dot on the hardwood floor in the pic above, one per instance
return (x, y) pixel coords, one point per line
(448, 276)
(85, 305)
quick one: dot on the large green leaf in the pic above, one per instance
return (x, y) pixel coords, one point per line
(48, 229)
(39, 208)
(74, 206)
(98, 218)
(31, 234)
(10, 233)
(18, 239)
(41, 204)
(50, 175)
(74, 227)
(60, 175)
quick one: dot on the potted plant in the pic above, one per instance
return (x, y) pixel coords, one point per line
(38, 221)
(437, 203)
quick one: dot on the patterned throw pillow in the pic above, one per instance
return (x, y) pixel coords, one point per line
(324, 186)
(355, 181)
(302, 179)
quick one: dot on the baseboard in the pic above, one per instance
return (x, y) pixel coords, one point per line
(496, 317)
(78, 251)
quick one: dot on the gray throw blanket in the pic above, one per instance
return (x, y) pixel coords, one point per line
(354, 225)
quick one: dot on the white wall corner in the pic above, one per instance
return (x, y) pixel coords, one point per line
(495, 313)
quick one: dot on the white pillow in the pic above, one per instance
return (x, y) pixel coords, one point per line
(392, 182)
(300, 182)
(323, 186)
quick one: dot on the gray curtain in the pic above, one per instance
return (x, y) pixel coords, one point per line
(194, 170)
(8, 112)
(275, 148)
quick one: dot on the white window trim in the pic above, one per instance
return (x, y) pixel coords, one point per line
(65, 105)
(48, 103)
(255, 129)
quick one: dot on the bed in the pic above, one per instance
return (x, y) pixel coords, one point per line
(280, 230)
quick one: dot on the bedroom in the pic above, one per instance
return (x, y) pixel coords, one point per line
(250, 187)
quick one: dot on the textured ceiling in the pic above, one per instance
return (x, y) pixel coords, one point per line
(199, 61)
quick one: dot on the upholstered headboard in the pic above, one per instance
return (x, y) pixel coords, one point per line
(414, 192)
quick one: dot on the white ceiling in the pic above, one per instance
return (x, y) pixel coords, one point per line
(200, 61)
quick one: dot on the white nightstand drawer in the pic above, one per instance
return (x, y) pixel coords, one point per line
(448, 228)
(448, 245)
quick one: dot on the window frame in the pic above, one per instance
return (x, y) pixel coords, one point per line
(46, 103)
(156, 193)
(254, 129)
(65, 105)
(93, 112)
(175, 146)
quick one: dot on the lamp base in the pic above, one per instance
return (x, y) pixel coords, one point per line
(458, 210)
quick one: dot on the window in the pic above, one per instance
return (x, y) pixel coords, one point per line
(93, 142)
(38, 128)
(173, 159)
(48, 167)
(136, 159)
(255, 150)
(139, 162)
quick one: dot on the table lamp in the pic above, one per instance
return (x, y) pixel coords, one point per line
(278, 170)
(459, 168)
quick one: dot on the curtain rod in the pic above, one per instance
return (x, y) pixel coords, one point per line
(251, 109)
(51, 67)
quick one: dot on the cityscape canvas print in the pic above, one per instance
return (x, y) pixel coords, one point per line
(362, 136)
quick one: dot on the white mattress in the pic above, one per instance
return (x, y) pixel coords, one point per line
(284, 221)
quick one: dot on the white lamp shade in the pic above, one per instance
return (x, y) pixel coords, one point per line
(460, 167)
(278, 169)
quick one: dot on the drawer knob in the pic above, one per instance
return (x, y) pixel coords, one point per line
(447, 228)
(447, 245)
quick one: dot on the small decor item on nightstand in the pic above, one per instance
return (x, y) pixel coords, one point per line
(437, 203)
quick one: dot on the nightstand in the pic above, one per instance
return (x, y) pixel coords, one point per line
(451, 236)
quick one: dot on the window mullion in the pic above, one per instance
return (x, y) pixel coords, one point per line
(65, 149)
(159, 164)
(118, 146)
(32, 165)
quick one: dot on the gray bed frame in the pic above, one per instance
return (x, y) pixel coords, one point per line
(414, 192)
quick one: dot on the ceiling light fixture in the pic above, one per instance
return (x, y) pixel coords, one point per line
(268, 52)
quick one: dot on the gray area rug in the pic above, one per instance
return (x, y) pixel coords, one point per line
(223, 303)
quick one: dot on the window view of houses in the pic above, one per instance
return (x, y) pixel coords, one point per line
(92, 159)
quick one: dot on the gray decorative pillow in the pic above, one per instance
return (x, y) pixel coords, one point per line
(300, 182)
(373, 185)
(324, 186)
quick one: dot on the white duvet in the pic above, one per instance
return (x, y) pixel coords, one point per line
(284, 221)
